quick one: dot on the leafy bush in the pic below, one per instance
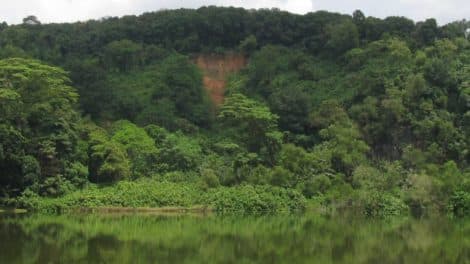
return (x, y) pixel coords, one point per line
(281, 177)
(248, 198)
(209, 179)
(382, 204)
(139, 146)
(55, 186)
(180, 152)
(459, 204)
(77, 173)
(154, 194)
(317, 185)
(143, 193)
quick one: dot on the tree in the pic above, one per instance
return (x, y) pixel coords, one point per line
(181, 82)
(10, 51)
(178, 152)
(302, 164)
(123, 54)
(399, 26)
(3, 25)
(31, 20)
(139, 146)
(358, 17)
(108, 160)
(344, 146)
(359, 20)
(38, 107)
(426, 32)
(255, 124)
(88, 76)
(249, 45)
(292, 105)
(342, 37)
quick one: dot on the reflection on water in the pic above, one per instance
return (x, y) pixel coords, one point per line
(228, 239)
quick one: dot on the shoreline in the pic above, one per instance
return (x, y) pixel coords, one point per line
(200, 210)
(13, 210)
(145, 210)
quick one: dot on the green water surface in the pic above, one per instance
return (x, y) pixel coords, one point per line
(98, 238)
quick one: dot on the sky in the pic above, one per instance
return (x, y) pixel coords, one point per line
(13, 11)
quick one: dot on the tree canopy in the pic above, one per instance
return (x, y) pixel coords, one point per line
(346, 110)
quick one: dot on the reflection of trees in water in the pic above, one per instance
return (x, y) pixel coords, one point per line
(269, 239)
(103, 248)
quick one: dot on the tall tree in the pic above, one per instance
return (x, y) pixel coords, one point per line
(38, 107)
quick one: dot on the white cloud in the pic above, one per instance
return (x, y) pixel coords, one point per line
(13, 11)
(444, 11)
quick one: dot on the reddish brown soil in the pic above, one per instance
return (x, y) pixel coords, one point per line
(216, 68)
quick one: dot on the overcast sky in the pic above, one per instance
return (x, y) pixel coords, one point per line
(13, 11)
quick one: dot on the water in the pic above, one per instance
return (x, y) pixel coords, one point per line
(91, 238)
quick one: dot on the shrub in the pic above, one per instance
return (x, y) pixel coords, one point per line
(420, 193)
(138, 145)
(209, 179)
(381, 204)
(180, 152)
(142, 193)
(281, 177)
(459, 204)
(179, 176)
(154, 194)
(55, 186)
(259, 176)
(318, 184)
(77, 174)
(248, 198)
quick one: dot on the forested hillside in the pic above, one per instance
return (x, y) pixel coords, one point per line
(331, 110)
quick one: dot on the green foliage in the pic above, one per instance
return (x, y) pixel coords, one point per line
(123, 54)
(256, 126)
(460, 204)
(183, 89)
(316, 185)
(298, 161)
(151, 193)
(293, 106)
(249, 44)
(284, 238)
(108, 160)
(38, 125)
(382, 204)
(347, 110)
(259, 175)
(426, 32)
(140, 147)
(55, 186)
(344, 147)
(179, 152)
(142, 193)
(209, 179)
(10, 51)
(281, 177)
(257, 199)
(342, 37)
(157, 95)
(421, 191)
(77, 174)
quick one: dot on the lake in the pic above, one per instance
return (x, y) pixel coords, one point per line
(307, 238)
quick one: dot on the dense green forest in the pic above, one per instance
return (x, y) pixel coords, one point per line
(332, 111)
